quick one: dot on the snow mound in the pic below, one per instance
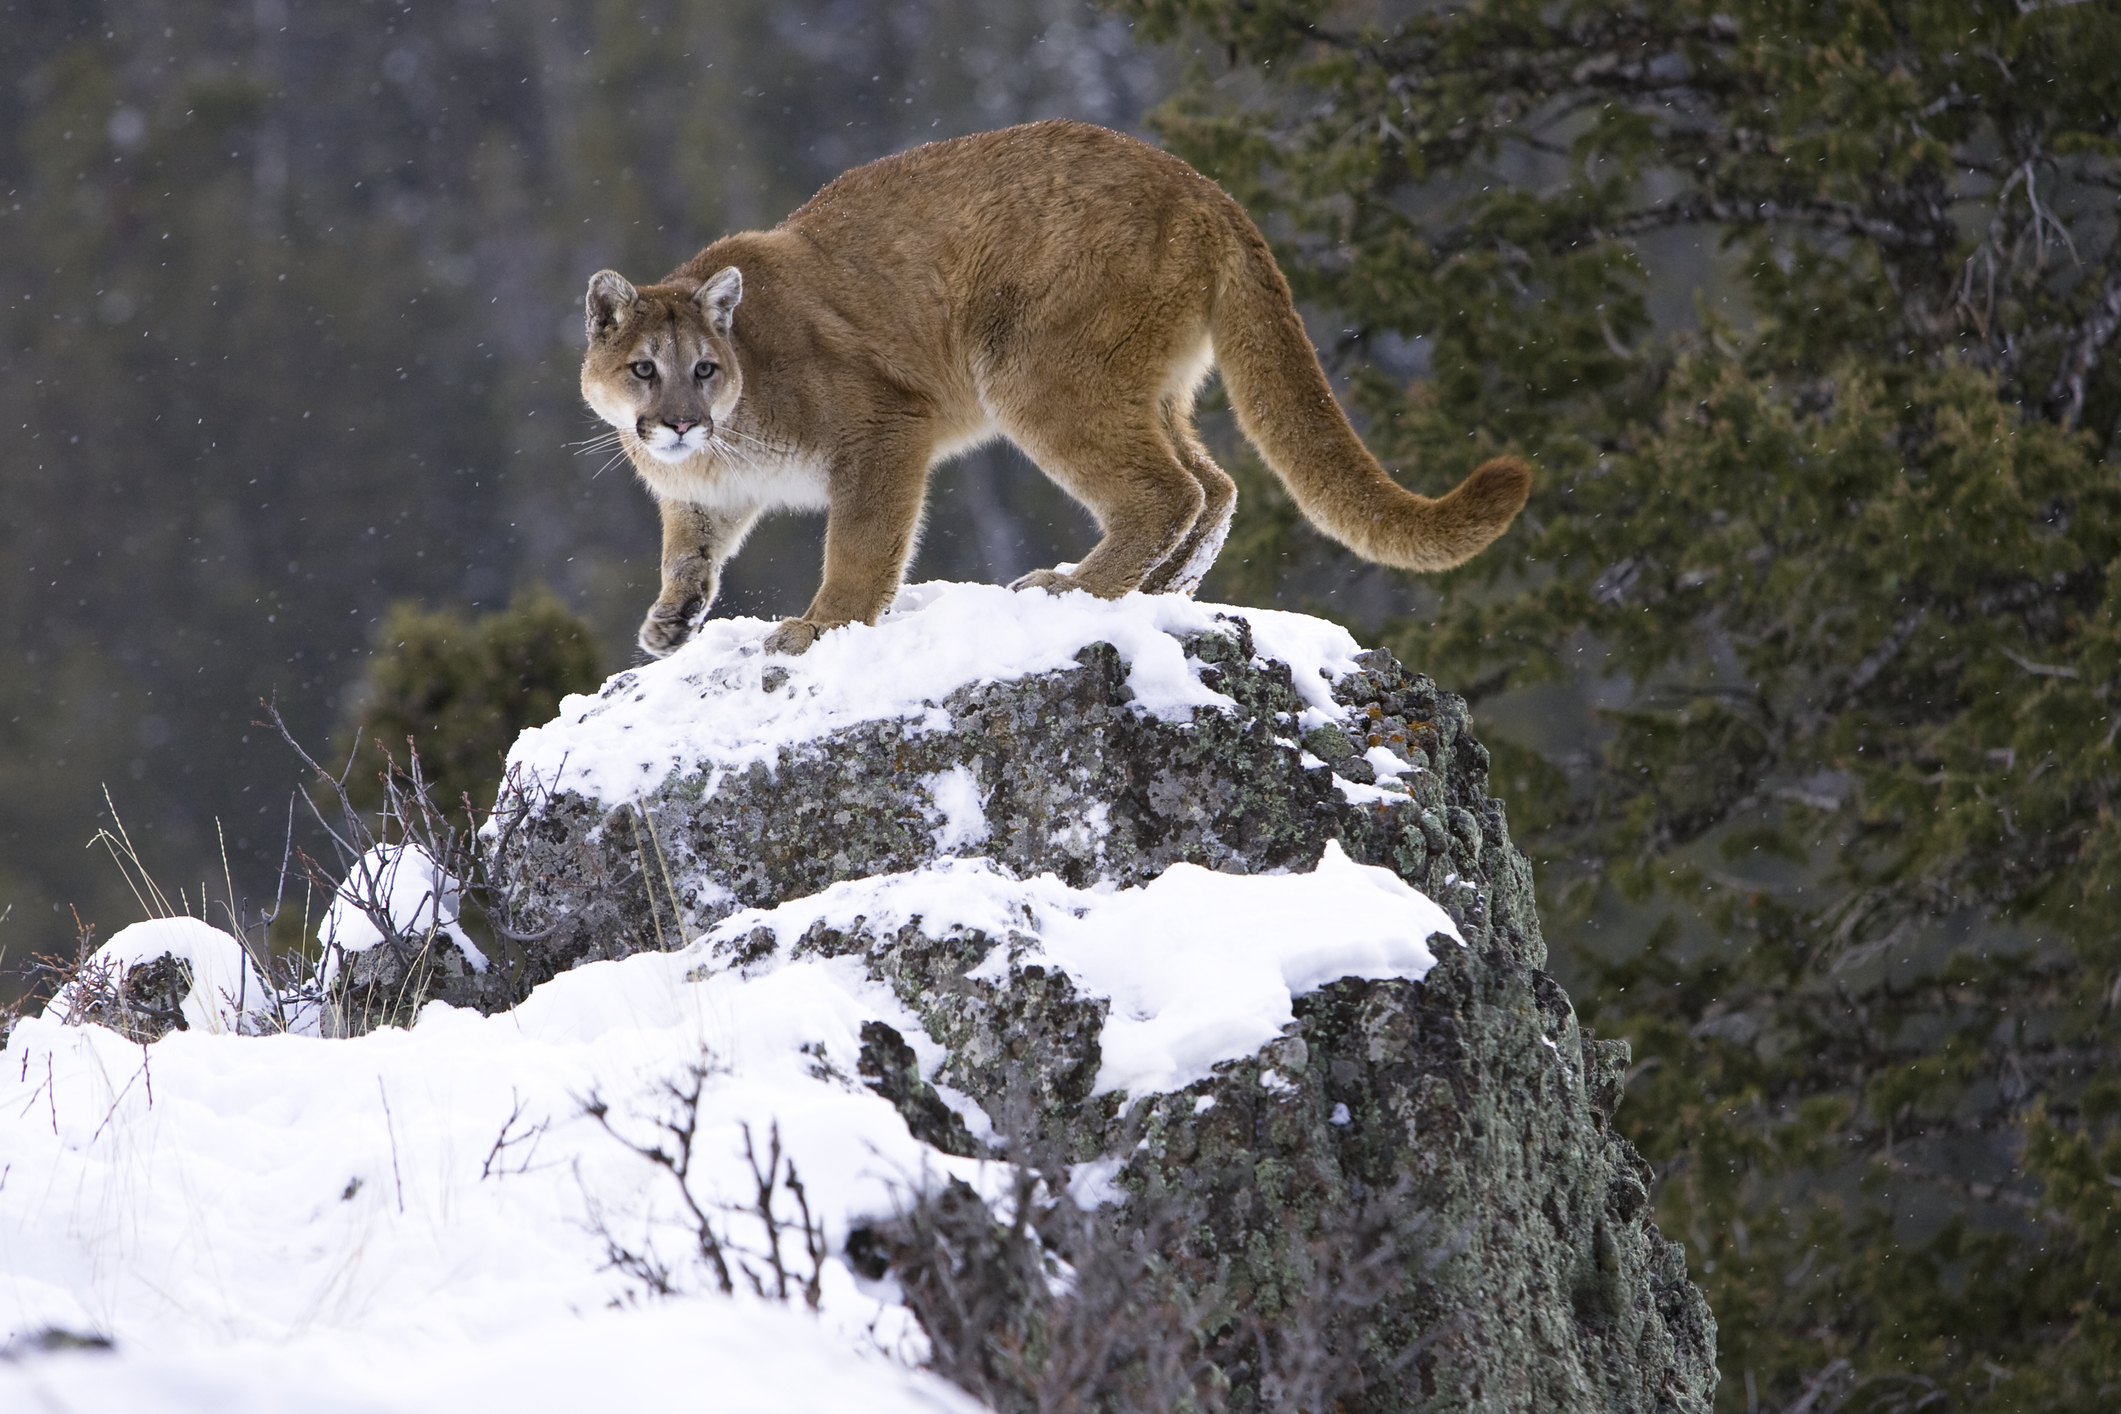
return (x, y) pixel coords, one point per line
(936, 638)
(225, 987)
(1200, 968)
(406, 885)
(410, 1218)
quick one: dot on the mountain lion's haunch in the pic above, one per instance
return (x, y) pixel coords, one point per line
(1063, 286)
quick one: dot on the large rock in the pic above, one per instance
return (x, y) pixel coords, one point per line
(1103, 744)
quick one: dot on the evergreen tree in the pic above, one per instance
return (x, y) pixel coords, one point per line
(1838, 556)
(455, 691)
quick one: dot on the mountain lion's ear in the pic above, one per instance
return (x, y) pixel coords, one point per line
(718, 298)
(610, 296)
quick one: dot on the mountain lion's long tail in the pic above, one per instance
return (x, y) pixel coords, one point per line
(1286, 407)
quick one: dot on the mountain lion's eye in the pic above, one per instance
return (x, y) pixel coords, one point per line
(644, 370)
(704, 370)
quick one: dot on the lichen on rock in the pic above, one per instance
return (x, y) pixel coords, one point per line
(1469, 1100)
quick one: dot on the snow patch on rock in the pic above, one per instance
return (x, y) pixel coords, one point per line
(1200, 968)
(960, 807)
(649, 722)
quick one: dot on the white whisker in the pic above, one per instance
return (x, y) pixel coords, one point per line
(761, 443)
(728, 449)
(732, 450)
(595, 444)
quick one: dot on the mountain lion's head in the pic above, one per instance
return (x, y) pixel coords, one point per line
(660, 363)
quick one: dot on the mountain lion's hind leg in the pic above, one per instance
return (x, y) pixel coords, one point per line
(1183, 569)
(1145, 499)
(696, 543)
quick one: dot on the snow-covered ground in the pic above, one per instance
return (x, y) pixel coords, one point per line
(285, 1222)
(418, 1219)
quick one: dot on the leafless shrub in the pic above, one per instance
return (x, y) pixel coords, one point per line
(144, 1001)
(76, 977)
(141, 1003)
(673, 1147)
(1058, 1309)
(331, 987)
(782, 1171)
(672, 1151)
(153, 993)
(414, 960)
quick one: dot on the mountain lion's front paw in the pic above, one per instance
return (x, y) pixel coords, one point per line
(669, 627)
(794, 636)
(1052, 581)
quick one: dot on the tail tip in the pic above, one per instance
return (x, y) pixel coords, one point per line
(1498, 487)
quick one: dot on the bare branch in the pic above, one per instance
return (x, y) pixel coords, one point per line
(2047, 670)
(2066, 393)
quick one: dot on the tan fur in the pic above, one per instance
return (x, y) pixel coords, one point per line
(1063, 286)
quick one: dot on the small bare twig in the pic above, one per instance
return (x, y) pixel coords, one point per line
(390, 1127)
(495, 1165)
(2047, 670)
(119, 1098)
(764, 1181)
(813, 1234)
(764, 1209)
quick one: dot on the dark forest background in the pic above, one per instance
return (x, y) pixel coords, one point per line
(1799, 671)
(289, 332)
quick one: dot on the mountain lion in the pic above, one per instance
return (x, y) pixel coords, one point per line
(1058, 284)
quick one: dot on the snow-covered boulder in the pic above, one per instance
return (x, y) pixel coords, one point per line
(1220, 897)
(1101, 742)
(392, 942)
(166, 974)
